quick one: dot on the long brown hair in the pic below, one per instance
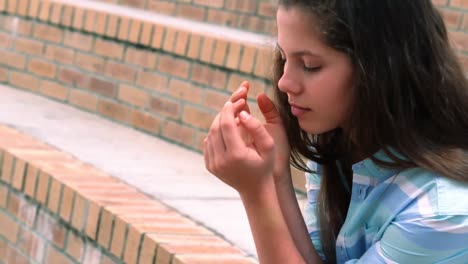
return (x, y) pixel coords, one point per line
(411, 98)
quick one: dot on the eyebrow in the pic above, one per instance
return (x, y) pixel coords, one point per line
(299, 52)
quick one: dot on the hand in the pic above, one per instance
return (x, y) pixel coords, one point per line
(273, 126)
(245, 164)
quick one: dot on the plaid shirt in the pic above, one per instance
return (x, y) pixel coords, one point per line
(409, 216)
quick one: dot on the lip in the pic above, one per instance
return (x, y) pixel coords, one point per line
(298, 110)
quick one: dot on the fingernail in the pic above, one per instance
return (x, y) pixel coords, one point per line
(227, 103)
(241, 89)
(244, 115)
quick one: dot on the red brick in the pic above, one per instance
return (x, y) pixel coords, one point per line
(24, 81)
(120, 71)
(92, 254)
(214, 100)
(440, 2)
(90, 63)
(108, 49)
(92, 220)
(451, 18)
(165, 107)
(12, 59)
(75, 246)
(172, 66)
(459, 40)
(66, 203)
(146, 121)
(198, 117)
(59, 54)
(53, 256)
(53, 90)
(48, 33)
(179, 133)
(72, 77)
(185, 91)
(153, 81)
(267, 9)
(83, 99)
(6, 41)
(78, 41)
(42, 68)
(140, 57)
(32, 244)
(158, 35)
(16, 26)
(168, 8)
(12, 255)
(29, 46)
(105, 228)
(191, 12)
(459, 3)
(208, 76)
(210, 3)
(114, 110)
(221, 17)
(3, 75)
(245, 6)
(102, 87)
(9, 228)
(22, 209)
(51, 229)
(133, 96)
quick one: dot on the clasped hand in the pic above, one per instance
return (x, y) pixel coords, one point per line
(242, 151)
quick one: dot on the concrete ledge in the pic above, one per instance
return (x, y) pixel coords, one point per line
(122, 222)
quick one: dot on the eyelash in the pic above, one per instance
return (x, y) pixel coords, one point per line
(311, 69)
(305, 68)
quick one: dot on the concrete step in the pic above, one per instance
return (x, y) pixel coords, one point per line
(172, 174)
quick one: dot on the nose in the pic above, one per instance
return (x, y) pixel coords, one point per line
(289, 83)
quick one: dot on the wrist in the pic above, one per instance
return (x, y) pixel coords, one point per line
(261, 194)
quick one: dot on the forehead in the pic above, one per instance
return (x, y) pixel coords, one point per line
(297, 30)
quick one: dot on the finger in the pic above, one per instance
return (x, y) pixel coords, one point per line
(241, 93)
(268, 109)
(261, 138)
(212, 156)
(216, 137)
(230, 131)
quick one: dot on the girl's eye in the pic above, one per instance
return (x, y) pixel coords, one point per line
(312, 69)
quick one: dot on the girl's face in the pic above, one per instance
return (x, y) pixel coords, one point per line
(317, 79)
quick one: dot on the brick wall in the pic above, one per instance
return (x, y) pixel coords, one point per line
(53, 210)
(258, 16)
(251, 15)
(166, 81)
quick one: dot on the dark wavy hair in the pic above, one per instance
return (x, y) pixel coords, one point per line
(411, 98)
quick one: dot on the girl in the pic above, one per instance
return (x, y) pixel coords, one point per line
(370, 92)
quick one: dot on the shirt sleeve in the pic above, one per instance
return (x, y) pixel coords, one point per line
(310, 208)
(435, 239)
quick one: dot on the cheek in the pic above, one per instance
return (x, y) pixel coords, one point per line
(332, 97)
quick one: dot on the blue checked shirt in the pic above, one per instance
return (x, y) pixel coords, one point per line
(409, 216)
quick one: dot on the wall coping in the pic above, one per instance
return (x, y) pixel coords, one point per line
(141, 229)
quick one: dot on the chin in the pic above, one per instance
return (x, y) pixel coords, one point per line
(314, 129)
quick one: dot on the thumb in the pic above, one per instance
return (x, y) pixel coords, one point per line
(262, 139)
(268, 109)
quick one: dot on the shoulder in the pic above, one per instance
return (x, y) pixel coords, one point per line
(445, 195)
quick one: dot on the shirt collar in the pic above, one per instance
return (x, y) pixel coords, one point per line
(376, 173)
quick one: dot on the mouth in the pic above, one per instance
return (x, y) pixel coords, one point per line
(298, 110)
